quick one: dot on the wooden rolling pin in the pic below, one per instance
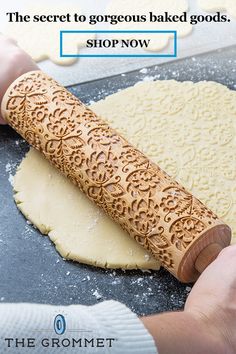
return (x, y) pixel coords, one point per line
(154, 209)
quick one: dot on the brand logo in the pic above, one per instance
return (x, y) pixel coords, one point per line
(59, 327)
(59, 324)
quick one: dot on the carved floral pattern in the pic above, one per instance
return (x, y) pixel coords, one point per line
(184, 230)
(132, 157)
(157, 211)
(143, 182)
(102, 136)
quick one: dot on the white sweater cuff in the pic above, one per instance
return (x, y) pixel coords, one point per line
(121, 323)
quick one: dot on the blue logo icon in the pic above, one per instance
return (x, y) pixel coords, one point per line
(60, 324)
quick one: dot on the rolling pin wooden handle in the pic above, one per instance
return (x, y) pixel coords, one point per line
(159, 213)
(208, 255)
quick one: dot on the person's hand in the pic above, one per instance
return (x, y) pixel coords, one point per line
(14, 62)
(213, 298)
(208, 322)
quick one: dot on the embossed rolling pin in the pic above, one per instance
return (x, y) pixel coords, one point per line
(155, 210)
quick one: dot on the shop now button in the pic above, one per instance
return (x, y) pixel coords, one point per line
(119, 43)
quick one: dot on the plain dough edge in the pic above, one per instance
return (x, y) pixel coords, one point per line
(99, 241)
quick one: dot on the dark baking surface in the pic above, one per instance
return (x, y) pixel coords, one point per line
(30, 268)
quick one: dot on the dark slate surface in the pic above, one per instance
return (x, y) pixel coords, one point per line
(30, 268)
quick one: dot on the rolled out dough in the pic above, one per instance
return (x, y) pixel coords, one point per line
(188, 129)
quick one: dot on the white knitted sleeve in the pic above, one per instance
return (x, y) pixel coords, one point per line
(108, 327)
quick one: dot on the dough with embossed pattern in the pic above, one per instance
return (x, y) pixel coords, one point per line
(186, 128)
